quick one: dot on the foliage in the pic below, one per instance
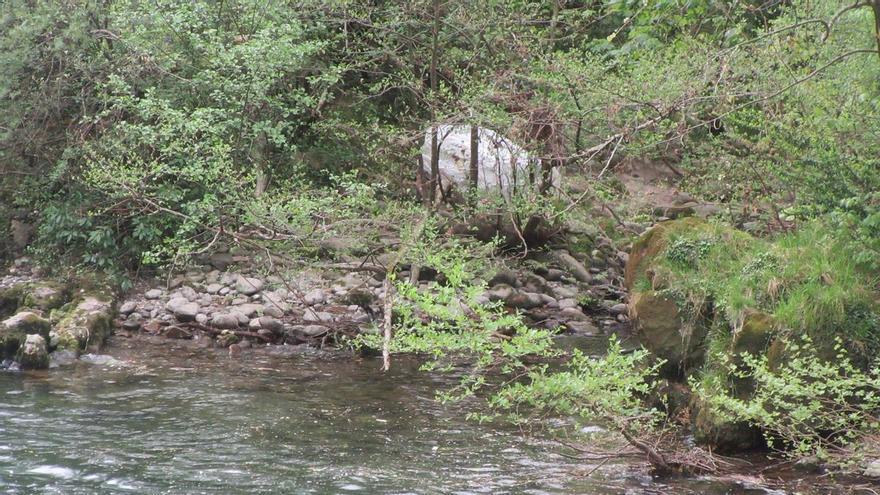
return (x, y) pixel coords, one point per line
(806, 405)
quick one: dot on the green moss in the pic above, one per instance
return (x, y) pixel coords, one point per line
(86, 322)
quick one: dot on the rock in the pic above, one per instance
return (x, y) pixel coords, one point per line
(554, 275)
(311, 330)
(872, 470)
(567, 303)
(583, 327)
(573, 266)
(62, 358)
(202, 319)
(525, 300)
(618, 309)
(254, 324)
(33, 355)
(26, 322)
(221, 261)
(90, 322)
(182, 309)
(565, 293)
(127, 308)
(175, 332)
(314, 297)
(271, 310)
(574, 314)
(248, 285)
(722, 435)
(270, 323)
(662, 331)
(500, 292)
(227, 338)
(225, 321)
(21, 233)
(45, 296)
(185, 292)
(153, 294)
(133, 322)
(317, 317)
(213, 288)
(250, 310)
(506, 277)
(503, 165)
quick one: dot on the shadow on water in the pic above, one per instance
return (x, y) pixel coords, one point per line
(166, 417)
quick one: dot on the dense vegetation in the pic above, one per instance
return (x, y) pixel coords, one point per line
(134, 134)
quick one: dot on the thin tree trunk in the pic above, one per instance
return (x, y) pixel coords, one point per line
(435, 148)
(876, 6)
(475, 157)
(259, 159)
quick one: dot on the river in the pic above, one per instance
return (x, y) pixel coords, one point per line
(158, 416)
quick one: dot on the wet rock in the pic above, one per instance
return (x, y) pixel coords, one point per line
(583, 327)
(153, 294)
(227, 338)
(62, 358)
(33, 355)
(127, 308)
(225, 321)
(176, 332)
(249, 285)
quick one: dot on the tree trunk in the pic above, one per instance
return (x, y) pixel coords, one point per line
(259, 159)
(875, 4)
(475, 157)
(435, 147)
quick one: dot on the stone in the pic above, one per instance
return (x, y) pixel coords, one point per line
(582, 327)
(90, 322)
(133, 322)
(127, 308)
(62, 358)
(34, 354)
(567, 303)
(270, 323)
(227, 338)
(225, 321)
(573, 266)
(249, 285)
(153, 294)
(574, 314)
(314, 297)
(185, 292)
(26, 322)
(525, 300)
(251, 310)
(565, 293)
(506, 277)
(271, 310)
(221, 260)
(311, 330)
(46, 297)
(175, 332)
(503, 166)
(554, 275)
(872, 470)
(661, 330)
(500, 292)
(182, 309)
(317, 317)
(202, 319)
(213, 288)
(618, 309)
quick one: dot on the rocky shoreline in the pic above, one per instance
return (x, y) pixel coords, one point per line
(228, 302)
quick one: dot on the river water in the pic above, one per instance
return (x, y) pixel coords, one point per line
(171, 417)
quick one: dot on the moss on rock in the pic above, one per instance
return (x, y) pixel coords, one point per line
(88, 322)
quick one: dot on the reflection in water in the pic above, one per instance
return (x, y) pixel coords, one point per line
(190, 420)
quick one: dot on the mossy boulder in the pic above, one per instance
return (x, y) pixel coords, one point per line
(33, 354)
(15, 329)
(86, 322)
(661, 329)
(11, 299)
(722, 434)
(45, 296)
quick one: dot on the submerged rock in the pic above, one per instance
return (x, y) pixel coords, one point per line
(34, 354)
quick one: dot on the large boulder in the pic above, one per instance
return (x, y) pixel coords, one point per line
(87, 322)
(34, 354)
(15, 330)
(503, 166)
(661, 329)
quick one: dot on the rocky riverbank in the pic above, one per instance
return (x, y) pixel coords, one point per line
(227, 301)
